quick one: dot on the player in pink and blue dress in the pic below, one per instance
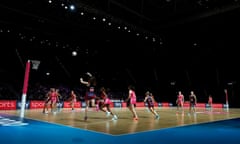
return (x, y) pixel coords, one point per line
(105, 102)
(131, 101)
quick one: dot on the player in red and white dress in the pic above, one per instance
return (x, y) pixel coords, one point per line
(47, 102)
(105, 102)
(180, 101)
(53, 100)
(73, 99)
(210, 101)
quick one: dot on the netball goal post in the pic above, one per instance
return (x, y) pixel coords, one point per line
(35, 65)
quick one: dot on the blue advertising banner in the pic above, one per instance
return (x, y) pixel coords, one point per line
(19, 103)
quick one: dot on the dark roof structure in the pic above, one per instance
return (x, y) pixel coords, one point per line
(162, 45)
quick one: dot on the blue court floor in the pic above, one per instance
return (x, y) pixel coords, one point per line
(14, 130)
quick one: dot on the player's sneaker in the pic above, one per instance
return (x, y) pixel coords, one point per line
(108, 113)
(114, 117)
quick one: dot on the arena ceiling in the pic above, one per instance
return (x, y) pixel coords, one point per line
(148, 18)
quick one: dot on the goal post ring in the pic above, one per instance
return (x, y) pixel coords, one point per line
(35, 64)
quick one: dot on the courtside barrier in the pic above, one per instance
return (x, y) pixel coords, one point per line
(36, 104)
(8, 104)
